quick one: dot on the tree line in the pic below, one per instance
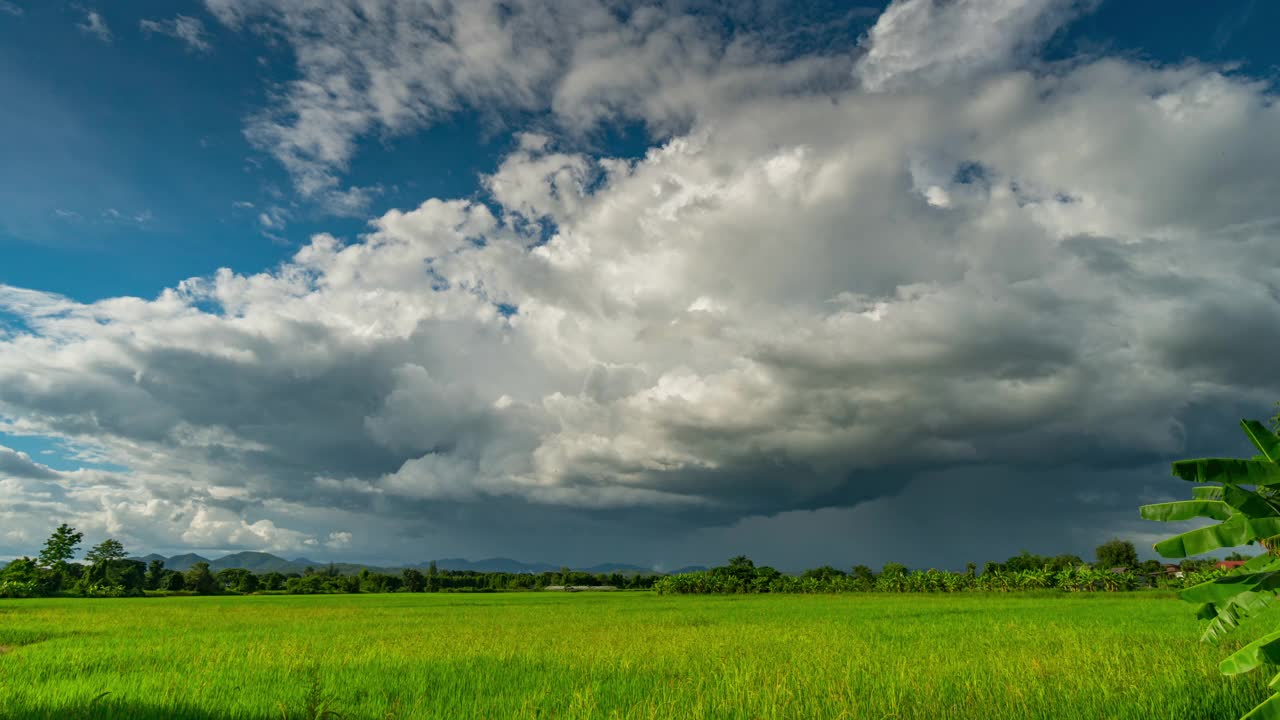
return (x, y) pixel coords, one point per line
(742, 576)
(109, 572)
(1116, 568)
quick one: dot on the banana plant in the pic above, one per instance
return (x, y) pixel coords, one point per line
(1243, 496)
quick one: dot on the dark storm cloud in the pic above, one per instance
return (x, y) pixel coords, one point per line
(797, 318)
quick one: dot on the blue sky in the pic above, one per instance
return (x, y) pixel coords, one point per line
(149, 143)
(147, 127)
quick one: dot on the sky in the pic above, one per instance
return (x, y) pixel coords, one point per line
(599, 281)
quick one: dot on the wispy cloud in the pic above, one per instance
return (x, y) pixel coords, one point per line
(928, 42)
(9, 8)
(417, 63)
(273, 218)
(138, 218)
(187, 29)
(95, 25)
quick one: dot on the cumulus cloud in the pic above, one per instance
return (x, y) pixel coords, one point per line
(389, 67)
(797, 309)
(338, 540)
(19, 464)
(185, 28)
(931, 42)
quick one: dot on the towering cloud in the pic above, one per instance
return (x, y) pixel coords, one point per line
(803, 300)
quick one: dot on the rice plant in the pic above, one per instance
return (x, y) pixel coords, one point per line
(1049, 655)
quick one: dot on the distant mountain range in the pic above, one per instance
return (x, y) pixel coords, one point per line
(260, 562)
(508, 565)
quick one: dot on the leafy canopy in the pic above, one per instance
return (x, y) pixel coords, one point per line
(105, 552)
(60, 547)
(1117, 553)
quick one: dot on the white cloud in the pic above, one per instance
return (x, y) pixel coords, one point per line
(813, 300)
(274, 218)
(20, 464)
(931, 42)
(10, 9)
(95, 25)
(138, 218)
(185, 28)
(338, 540)
(391, 67)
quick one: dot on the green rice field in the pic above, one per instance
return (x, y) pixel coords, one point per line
(614, 655)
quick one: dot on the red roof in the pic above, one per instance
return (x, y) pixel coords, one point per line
(1230, 564)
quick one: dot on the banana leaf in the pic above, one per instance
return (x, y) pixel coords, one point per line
(1228, 616)
(1233, 532)
(1265, 562)
(1186, 510)
(1207, 492)
(1249, 503)
(1228, 471)
(1268, 710)
(1224, 588)
(1265, 649)
(1267, 442)
(1249, 589)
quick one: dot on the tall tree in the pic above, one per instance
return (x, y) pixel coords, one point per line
(155, 574)
(740, 567)
(107, 551)
(433, 577)
(1116, 553)
(200, 580)
(248, 583)
(60, 547)
(826, 572)
(174, 581)
(893, 569)
(413, 580)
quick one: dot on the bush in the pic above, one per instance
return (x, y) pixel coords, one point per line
(19, 589)
(102, 590)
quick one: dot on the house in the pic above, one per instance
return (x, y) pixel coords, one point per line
(1229, 564)
(1173, 571)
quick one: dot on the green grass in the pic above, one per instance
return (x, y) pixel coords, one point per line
(620, 655)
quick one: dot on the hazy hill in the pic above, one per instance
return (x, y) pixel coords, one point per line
(183, 563)
(506, 565)
(261, 562)
(149, 558)
(609, 568)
